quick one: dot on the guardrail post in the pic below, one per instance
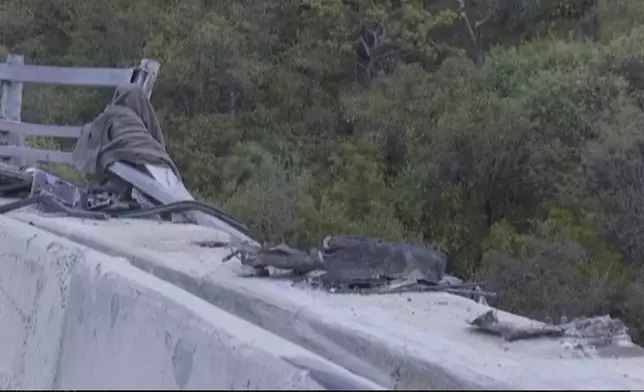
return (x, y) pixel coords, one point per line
(147, 76)
(10, 109)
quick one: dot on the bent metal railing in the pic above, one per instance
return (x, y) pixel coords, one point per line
(13, 73)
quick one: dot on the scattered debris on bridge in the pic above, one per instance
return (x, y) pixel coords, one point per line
(123, 150)
(585, 335)
(351, 264)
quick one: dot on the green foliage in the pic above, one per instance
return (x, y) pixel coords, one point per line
(619, 17)
(558, 268)
(274, 202)
(358, 200)
(527, 168)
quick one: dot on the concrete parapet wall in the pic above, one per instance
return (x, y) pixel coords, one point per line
(73, 318)
(417, 340)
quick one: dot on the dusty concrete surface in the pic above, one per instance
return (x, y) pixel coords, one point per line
(400, 341)
(74, 318)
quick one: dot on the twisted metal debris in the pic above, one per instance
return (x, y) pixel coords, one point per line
(350, 264)
(584, 334)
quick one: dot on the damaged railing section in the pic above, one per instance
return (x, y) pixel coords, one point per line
(55, 195)
(14, 73)
(123, 150)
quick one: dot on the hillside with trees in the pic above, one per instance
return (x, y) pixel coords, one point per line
(508, 132)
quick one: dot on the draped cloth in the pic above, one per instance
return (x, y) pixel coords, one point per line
(127, 131)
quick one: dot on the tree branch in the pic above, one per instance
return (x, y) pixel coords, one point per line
(473, 31)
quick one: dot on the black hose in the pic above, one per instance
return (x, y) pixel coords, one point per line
(180, 206)
(10, 189)
(52, 203)
(14, 205)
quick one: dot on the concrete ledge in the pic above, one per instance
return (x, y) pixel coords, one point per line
(75, 318)
(399, 341)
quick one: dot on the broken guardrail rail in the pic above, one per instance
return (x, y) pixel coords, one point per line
(54, 194)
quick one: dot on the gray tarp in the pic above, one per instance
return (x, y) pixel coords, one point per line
(126, 131)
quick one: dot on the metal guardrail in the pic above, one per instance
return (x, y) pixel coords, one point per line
(14, 73)
(156, 187)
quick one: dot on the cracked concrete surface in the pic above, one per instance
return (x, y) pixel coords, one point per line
(75, 318)
(418, 340)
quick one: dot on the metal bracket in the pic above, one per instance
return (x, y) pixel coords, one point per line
(64, 192)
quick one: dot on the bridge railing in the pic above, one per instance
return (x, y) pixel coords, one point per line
(14, 73)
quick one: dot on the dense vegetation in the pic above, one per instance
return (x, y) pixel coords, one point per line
(510, 132)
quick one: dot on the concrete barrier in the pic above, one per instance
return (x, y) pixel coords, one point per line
(405, 341)
(75, 318)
